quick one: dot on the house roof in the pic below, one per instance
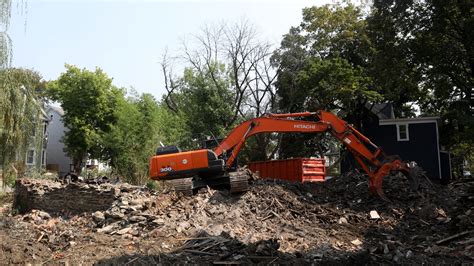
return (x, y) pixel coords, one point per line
(381, 110)
(57, 109)
(415, 120)
(384, 111)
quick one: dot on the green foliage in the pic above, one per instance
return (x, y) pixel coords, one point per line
(17, 102)
(106, 124)
(425, 55)
(445, 50)
(174, 128)
(322, 62)
(153, 185)
(392, 66)
(140, 126)
(123, 142)
(205, 101)
(332, 83)
(323, 65)
(88, 99)
(335, 30)
(408, 53)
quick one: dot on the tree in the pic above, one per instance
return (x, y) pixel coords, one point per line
(5, 41)
(88, 99)
(129, 141)
(323, 65)
(206, 101)
(444, 49)
(425, 55)
(14, 107)
(6, 52)
(20, 105)
(391, 65)
(142, 123)
(230, 71)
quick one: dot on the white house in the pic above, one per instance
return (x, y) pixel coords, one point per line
(57, 159)
(35, 157)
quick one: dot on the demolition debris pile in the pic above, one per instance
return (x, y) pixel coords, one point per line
(333, 222)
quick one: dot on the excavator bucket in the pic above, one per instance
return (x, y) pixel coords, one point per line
(376, 180)
(411, 171)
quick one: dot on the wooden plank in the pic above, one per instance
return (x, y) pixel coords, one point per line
(447, 239)
(199, 252)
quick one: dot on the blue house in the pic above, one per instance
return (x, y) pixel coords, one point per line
(414, 139)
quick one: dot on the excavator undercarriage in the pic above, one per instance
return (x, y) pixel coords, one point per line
(235, 182)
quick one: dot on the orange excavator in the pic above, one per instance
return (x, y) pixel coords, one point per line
(191, 170)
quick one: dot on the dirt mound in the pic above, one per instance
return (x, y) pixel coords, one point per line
(275, 221)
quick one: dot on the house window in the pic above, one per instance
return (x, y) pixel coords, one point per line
(402, 132)
(43, 157)
(30, 157)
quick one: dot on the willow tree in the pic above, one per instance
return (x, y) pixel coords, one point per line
(5, 41)
(5, 55)
(19, 106)
(20, 113)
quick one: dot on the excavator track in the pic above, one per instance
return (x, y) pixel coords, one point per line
(183, 186)
(239, 181)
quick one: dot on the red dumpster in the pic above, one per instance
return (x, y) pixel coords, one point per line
(298, 170)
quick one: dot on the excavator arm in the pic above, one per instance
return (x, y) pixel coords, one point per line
(370, 157)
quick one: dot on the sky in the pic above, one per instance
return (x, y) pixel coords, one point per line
(127, 39)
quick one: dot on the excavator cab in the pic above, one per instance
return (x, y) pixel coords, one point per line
(167, 150)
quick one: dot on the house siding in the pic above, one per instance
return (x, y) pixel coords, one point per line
(446, 172)
(36, 143)
(55, 149)
(422, 146)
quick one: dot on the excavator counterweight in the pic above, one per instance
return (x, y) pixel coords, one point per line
(205, 167)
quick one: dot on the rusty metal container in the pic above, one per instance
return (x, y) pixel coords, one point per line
(297, 170)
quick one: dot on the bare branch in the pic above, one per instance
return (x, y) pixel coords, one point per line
(246, 61)
(169, 83)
